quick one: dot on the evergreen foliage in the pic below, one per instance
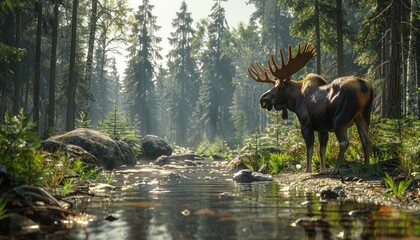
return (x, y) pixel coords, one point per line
(216, 89)
(203, 92)
(183, 81)
(140, 73)
(116, 125)
(18, 150)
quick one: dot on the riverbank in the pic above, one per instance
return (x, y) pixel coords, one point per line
(356, 187)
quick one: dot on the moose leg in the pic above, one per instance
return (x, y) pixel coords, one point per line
(363, 129)
(323, 140)
(308, 135)
(343, 141)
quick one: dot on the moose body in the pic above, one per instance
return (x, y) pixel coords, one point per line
(320, 106)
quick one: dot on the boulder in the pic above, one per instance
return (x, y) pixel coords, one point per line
(332, 193)
(106, 150)
(154, 147)
(127, 152)
(72, 151)
(248, 176)
(162, 160)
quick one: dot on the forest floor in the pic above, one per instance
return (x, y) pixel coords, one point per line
(360, 187)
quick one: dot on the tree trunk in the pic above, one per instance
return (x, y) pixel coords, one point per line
(384, 56)
(405, 41)
(340, 47)
(411, 62)
(318, 38)
(53, 63)
(35, 111)
(102, 83)
(71, 94)
(417, 46)
(89, 59)
(18, 76)
(393, 96)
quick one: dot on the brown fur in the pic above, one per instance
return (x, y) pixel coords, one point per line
(324, 108)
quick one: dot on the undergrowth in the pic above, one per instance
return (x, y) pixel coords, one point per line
(391, 140)
(217, 147)
(396, 189)
(21, 156)
(18, 150)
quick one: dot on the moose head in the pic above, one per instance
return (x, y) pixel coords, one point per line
(319, 106)
(280, 76)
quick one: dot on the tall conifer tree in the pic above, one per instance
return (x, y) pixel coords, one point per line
(183, 70)
(140, 74)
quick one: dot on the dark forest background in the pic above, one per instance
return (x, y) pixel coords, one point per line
(57, 64)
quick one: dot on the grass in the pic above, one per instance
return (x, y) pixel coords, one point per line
(396, 189)
(3, 209)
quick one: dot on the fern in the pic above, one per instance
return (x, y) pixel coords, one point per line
(397, 190)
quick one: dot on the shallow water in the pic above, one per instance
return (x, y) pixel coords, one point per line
(201, 202)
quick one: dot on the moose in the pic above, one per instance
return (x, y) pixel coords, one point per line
(319, 106)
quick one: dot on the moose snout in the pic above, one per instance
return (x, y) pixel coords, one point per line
(266, 102)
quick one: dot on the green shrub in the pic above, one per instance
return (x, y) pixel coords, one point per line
(19, 153)
(117, 127)
(397, 190)
(397, 138)
(3, 209)
(278, 161)
(217, 147)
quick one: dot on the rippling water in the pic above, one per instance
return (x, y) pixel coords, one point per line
(204, 203)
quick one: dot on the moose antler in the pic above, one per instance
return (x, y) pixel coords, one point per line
(294, 64)
(262, 74)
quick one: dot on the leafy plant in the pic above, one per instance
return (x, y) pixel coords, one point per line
(277, 161)
(217, 147)
(3, 209)
(84, 172)
(109, 177)
(68, 186)
(18, 150)
(253, 162)
(397, 190)
(58, 169)
(397, 138)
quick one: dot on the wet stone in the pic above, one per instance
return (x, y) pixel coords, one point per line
(247, 176)
(333, 193)
(190, 163)
(175, 177)
(162, 160)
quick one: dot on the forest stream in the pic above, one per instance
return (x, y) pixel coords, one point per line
(199, 200)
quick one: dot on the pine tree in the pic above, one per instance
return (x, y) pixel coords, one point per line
(116, 125)
(245, 109)
(140, 72)
(275, 24)
(216, 88)
(183, 91)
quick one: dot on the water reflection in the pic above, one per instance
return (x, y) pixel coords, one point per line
(152, 203)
